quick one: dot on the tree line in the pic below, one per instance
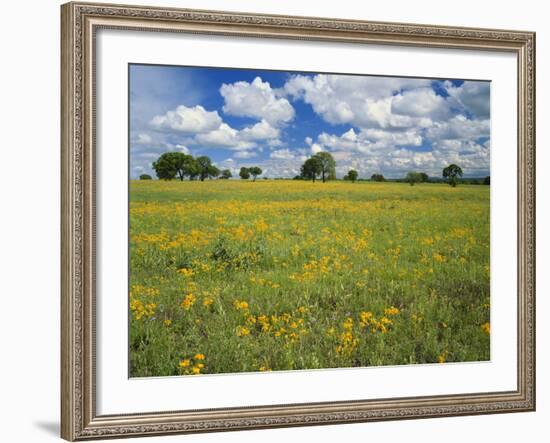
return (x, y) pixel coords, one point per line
(177, 165)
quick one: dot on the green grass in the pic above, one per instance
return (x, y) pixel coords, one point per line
(281, 275)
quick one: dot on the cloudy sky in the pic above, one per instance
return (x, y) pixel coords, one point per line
(276, 119)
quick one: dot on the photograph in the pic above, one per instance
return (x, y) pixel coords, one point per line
(290, 217)
(283, 220)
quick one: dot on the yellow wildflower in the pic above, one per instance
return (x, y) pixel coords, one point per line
(240, 305)
(391, 311)
(186, 272)
(188, 301)
(365, 318)
(242, 331)
(442, 358)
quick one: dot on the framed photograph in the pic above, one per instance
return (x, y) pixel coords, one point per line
(283, 221)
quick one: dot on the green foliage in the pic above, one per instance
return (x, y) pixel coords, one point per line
(311, 168)
(452, 173)
(352, 175)
(255, 171)
(413, 177)
(377, 178)
(424, 178)
(166, 166)
(487, 180)
(176, 164)
(205, 168)
(327, 164)
(244, 173)
(226, 174)
(213, 172)
(145, 177)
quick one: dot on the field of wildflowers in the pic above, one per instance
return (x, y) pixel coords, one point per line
(232, 276)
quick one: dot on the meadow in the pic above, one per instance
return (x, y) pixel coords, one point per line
(232, 276)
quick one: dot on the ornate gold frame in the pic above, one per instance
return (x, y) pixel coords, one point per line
(79, 24)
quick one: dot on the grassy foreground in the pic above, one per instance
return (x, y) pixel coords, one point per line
(231, 276)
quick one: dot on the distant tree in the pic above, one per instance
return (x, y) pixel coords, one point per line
(332, 176)
(297, 177)
(213, 172)
(352, 175)
(413, 177)
(424, 177)
(244, 173)
(311, 168)
(168, 165)
(225, 174)
(145, 177)
(255, 171)
(327, 163)
(487, 180)
(205, 169)
(377, 178)
(451, 173)
(192, 169)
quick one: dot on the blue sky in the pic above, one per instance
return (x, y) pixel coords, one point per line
(276, 119)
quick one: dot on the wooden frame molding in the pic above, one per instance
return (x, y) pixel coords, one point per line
(80, 21)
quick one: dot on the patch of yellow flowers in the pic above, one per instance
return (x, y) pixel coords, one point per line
(368, 320)
(188, 301)
(140, 310)
(288, 325)
(348, 343)
(192, 365)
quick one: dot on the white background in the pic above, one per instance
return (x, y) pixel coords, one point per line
(117, 394)
(29, 231)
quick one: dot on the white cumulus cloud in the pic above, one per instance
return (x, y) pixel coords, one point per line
(473, 96)
(282, 154)
(190, 120)
(256, 100)
(224, 136)
(360, 101)
(244, 155)
(459, 127)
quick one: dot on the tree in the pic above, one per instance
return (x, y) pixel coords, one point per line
(145, 177)
(352, 175)
(255, 171)
(213, 172)
(174, 164)
(205, 168)
(311, 168)
(377, 178)
(451, 173)
(424, 177)
(244, 173)
(413, 177)
(327, 164)
(192, 169)
(487, 180)
(166, 166)
(225, 174)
